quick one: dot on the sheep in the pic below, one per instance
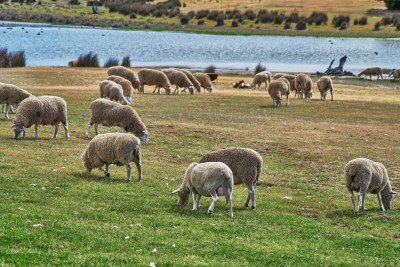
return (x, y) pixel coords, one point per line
(154, 77)
(324, 84)
(112, 90)
(278, 88)
(204, 80)
(179, 79)
(125, 84)
(291, 79)
(41, 110)
(125, 73)
(376, 71)
(395, 73)
(206, 179)
(363, 175)
(278, 75)
(113, 148)
(194, 81)
(73, 63)
(260, 78)
(304, 85)
(11, 95)
(245, 164)
(110, 113)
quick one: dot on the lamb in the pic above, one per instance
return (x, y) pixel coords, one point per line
(194, 81)
(324, 84)
(304, 85)
(125, 84)
(110, 113)
(363, 175)
(376, 71)
(395, 73)
(73, 63)
(41, 110)
(113, 148)
(179, 79)
(125, 73)
(291, 78)
(206, 179)
(154, 77)
(278, 88)
(278, 75)
(113, 91)
(204, 81)
(245, 164)
(260, 78)
(11, 95)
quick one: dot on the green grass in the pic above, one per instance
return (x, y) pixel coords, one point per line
(305, 146)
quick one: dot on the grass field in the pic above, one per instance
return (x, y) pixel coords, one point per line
(86, 217)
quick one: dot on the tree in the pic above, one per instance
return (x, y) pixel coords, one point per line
(392, 4)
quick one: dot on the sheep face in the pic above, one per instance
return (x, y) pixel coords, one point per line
(387, 200)
(323, 95)
(191, 90)
(144, 137)
(183, 196)
(209, 88)
(277, 102)
(167, 90)
(253, 86)
(310, 94)
(18, 130)
(124, 102)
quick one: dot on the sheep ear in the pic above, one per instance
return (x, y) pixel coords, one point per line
(13, 127)
(175, 192)
(393, 193)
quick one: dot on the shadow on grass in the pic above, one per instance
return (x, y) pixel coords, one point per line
(100, 178)
(367, 213)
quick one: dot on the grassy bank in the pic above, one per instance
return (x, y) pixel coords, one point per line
(87, 218)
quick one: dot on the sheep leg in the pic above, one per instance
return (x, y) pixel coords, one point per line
(331, 94)
(287, 100)
(194, 201)
(15, 106)
(215, 199)
(23, 133)
(105, 172)
(3, 108)
(7, 112)
(36, 131)
(362, 201)
(66, 131)
(55, 130)
(128, 172)
(95, 128)
(155, 88)
(380, 202)
(253, 204)
(139, 168)
(228, 197)
(122, 129)
(88, 130)
(177, 90)
(352, 199)
(107, 167)
(198, 200)
(358, 203)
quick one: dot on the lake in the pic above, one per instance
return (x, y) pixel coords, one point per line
(57, 45)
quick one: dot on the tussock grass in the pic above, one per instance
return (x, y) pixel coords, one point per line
(305, 146)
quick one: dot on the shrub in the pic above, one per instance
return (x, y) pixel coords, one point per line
(398, 27)
(377, 26)
(4, 59)
(301, 26)
(337, 21)
(363, 21)
(220, 20)
(88, 60)
(184, 19)
(279, 19)
(190, 14)
(111, 62)
(259, 68)
(202, 13)
(396, 19)
(266, 18)
(30, 1)
(74, 2)
(287, 26)
(133, 16)
(250, 15)
(386, 21)
(210, 69)
(17, 59)
(344, 25)
(392, 4)
(293, 17)
(200, 22)
(318, 18)
(355, 22)
(234, 24)
(126, 62)
(213, 15)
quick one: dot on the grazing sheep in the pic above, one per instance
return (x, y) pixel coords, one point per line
(260, 78)
(194, 81)
(110, 113)
(41, 110)
(113, 148)
(363, 175)
(204, 80)
(73, 63)
(113, 91)
(324, 84)
(395, 73)
(376, 71)
(206, 179)
(153, 77)
(125, 84)
(277, 89)
(11, 95)
(291, 79)
(125, 73)
(278, 75)
(245, 164)
(179, 79)
(303, 84)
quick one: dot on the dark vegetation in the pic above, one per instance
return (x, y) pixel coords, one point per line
(12, 59)
(210, 69)
(88, 60)
(361, 21)
(392, 4)
(259, 68)
(126, 62)
(169, 8)
(111, 62)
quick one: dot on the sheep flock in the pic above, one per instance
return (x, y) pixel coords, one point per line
(216, 172)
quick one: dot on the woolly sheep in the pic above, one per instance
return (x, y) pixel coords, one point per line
(125, 84)
(194, 81)
(204, 80)
(73, 63)
(125, 73)
(110, 113)
(113, 148)
(154, 77)
(41, 110)
(277, 89)
(324, 84)
(395, 73)
(363, 175)
(291, 79)
(206, 179)
(376, 71)
(303, 84)
(278, 75)
(179, 79)
(113, 91)
(260, 78)
(11, 95)
(245, 164)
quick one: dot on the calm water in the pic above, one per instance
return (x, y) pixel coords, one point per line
(55, 46)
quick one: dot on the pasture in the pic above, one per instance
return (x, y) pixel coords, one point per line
(303, 216)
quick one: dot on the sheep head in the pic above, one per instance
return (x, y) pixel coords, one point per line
(18, 130)
(143, 138)
(183, 196)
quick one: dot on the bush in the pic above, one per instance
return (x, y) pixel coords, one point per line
(386, 21)
(344, 25)
(111, 62)
(214, 15)
(279, 19)
(234, 24)
(363, 21)
(318, 18)
(184, 19)
(202, 13)
(377, 26)
(220, 20)
(4, 59)
(17, 59)
(396, 19)
(392, 4)
(190, 15)
(133, 16)
(126, 62)
(398, 27)
(200, 22)
(301, 26)
(250, 15)
(88, 60)
(287, 26)
(210, 69)
(293, 17)
(259, 68)
(337, 21)
(355, 22)
(74, 2)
